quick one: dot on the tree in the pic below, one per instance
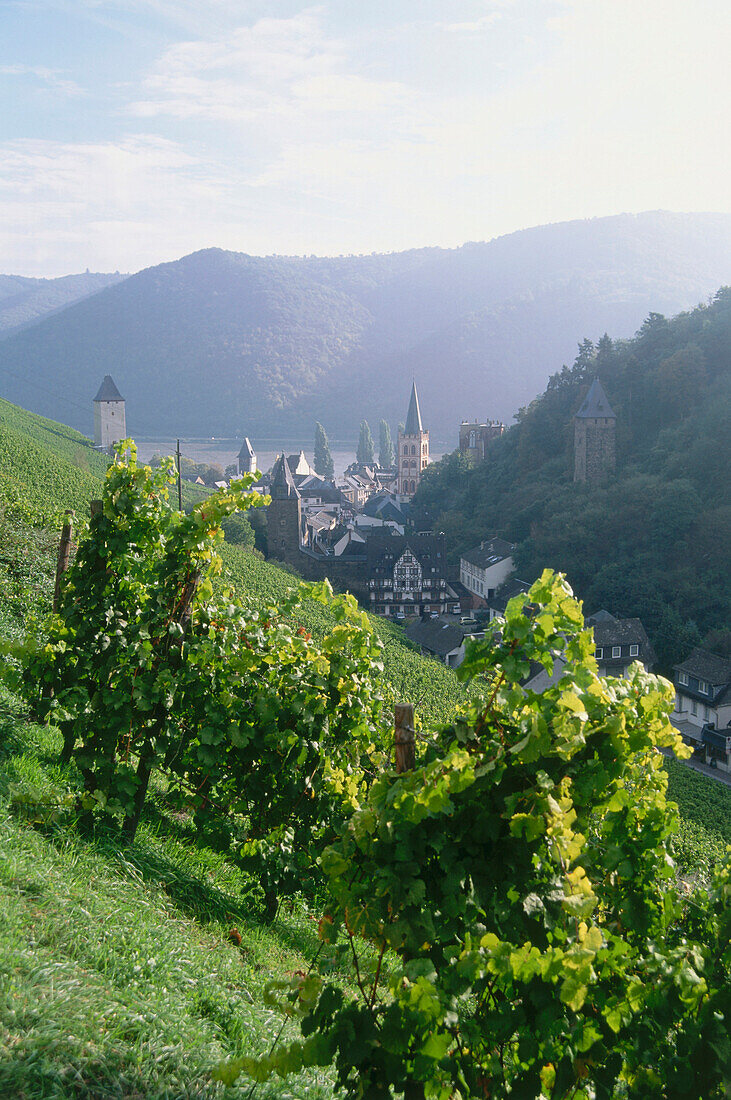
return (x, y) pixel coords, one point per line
(366, 453)
(518, 886)
(385, 446)
(323, 459)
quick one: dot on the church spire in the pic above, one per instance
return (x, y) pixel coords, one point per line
(413, 417)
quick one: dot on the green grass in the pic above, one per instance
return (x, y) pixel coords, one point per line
(117, 976)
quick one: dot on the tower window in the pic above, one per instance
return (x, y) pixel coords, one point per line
(413, 449)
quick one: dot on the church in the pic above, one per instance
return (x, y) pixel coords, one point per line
(413, 449)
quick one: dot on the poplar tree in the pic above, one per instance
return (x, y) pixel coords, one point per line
(324, 465)
(385, 446)
(366, 453)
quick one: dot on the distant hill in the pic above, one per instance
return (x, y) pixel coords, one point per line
(653, 539)
(222, 343)
(24, 301)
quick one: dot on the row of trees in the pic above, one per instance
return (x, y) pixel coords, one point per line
(365, 454)
(509, 903)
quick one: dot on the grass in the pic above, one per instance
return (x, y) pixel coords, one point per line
(117, 974)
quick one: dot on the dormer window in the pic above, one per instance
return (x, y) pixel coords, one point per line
(599, 652)
(703, 687)
(634, 651)
(616, 651)
(683, 678)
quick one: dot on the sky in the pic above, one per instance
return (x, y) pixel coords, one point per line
(136, 131)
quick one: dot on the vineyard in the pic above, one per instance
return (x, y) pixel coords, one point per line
(501, 916)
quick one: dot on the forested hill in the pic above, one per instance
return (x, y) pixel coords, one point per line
(653, 541)
(221, 343)
(24, 301)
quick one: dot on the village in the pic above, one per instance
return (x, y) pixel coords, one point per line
(358, 532)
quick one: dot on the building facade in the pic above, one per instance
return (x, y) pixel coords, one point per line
(595, 425)
(618, 643)
(109, 415)
(475, 438)
(702, 712)
(413, 449)
(407, 575)
(284, 514)
(485, 567)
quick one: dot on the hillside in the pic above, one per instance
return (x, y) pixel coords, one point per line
(131, 970)
(24, 301)
(221, 343)
(651, 541)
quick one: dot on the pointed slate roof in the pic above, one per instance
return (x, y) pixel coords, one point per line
(596, 403)
(413, 417)
(247, 451)
(283, 485)
(108, 391)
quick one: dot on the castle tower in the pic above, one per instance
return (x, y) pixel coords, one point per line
(413, 449)
(109, 419)
(284, 514)
(594, 436)
(247, 458)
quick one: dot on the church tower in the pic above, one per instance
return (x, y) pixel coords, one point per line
(109, 419)
(247, 458)
(413, 449)
(594, 436)
(284, 514)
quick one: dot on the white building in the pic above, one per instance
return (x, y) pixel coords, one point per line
(483, 569)
(702, 712)
(109, 418)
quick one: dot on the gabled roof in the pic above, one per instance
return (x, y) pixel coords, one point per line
(505, 592)
(413, 417)
(618, 631)
(283, 485)
(436, 635)
(108, 391)
(596, 403)
(488, 553)
(707, 666)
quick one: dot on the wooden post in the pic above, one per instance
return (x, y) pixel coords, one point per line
(404, 737)
(64, 552)
(180, 480)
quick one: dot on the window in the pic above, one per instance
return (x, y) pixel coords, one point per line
(693, 707)
(413, 449)
(706, 713)
(683, 678)
(599, 653)
(634, 651)
(406, 449)
(413, 486)
(703, 687)
(616, 651)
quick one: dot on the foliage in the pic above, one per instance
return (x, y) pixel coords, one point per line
(385, 446)
(521, 874)
(650, 542)
(366, 453)
(323, 459)
(144, 667)
(238, 530)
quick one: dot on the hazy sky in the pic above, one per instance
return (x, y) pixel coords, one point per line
(135, 131)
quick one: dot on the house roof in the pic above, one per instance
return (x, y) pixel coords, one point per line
(610, 631)
(505, 592)
(108, 391)
(707, 666)
(413, 417)
(489, 552)
(384, 505)
(596, 403)
(385, 549)
(436, 635)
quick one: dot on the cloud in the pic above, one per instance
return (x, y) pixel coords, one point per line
(55, 79)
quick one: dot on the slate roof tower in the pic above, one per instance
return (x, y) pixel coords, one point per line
(284, 514)
(413, 449)
(109, 418)
(594, 436)
(247, 458)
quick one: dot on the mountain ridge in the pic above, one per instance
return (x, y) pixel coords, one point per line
(224, 343)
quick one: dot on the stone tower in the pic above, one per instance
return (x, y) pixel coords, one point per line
(413, 449)
(109, 419)
(247, 458)
(594, 436)
(284, 514)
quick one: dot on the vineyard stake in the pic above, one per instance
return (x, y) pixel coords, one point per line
(64, 552)
(404, 737)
